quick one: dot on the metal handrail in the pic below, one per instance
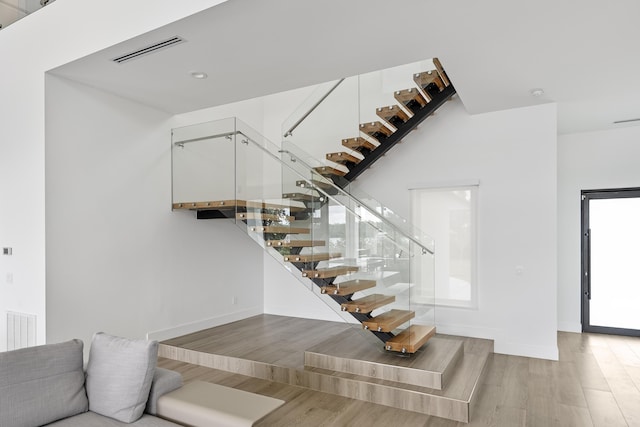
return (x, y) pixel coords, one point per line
(313, 107)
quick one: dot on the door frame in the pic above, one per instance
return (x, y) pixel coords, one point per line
(585, 247)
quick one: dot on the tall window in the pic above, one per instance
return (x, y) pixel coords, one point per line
(448, 215)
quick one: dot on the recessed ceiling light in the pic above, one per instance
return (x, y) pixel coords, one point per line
(199, 75)
(537, 92)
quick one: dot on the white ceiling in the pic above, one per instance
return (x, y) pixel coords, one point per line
(582, 53)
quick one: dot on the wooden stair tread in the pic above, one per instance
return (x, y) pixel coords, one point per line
(428, 81)
(411, 99)
(233, 203)
(325, 185)
(443, 74)
(281, 229)
(411, 339)
(211, 204)
(303, 197)
(387, 322)
(375, 130)
(342, 157)
(259, 216)
(393, 114)
(368, 303)
(328, 171)
(358, 144)
(349, 287)
(295, 243)
(264, 205)
(311, 257)
(323, 273)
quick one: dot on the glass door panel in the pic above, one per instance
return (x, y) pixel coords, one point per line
(611, 254)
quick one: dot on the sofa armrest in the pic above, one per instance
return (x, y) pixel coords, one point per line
(164, 381)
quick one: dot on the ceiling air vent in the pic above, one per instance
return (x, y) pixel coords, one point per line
(149, 49)
(626, 121)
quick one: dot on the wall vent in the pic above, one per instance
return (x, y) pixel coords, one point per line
(21, 330)
(149, 49)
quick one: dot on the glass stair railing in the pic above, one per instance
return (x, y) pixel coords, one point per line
(353, 256)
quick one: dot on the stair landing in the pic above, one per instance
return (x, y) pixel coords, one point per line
(311, 354)
(432, 369)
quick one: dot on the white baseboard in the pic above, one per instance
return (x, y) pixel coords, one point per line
(570, 327)
(526, 350)
(187, 328)
(501, 344)
(468, 331)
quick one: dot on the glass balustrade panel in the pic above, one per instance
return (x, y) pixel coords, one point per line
(324, 125)
(203, 162)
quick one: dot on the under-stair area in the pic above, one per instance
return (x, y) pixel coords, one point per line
(369, 264)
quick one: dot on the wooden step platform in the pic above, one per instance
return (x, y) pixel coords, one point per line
(367, 304)
(343, 158)
(254, 204)
(311, 257)
(349, 287)
(430, 83)
(233, 204)
(295, 243)
(212, 204)
(442, 379)
(329, 171)
(359, 144)
(376, 130)
(393, 114)
(432, 367)
(315, 183)
(303, 197)
(324, 273)
(281, 229)
(387, 322)
(411, 98)
(411, 339)
(259, 216)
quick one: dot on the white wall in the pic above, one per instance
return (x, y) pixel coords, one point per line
(587, 161)
(513, 156)
(44, 40)
(118, 259)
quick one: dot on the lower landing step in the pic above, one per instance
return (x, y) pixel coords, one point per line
(453, 402)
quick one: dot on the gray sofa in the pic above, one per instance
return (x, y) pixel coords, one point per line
(47, 385)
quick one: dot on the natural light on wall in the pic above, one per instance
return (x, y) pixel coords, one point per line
(448, 215)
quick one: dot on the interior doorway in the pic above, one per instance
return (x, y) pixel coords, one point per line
(611, 261)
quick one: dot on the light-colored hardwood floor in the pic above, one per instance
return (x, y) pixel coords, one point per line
(595, 383)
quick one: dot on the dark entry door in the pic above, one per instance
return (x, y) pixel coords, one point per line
(611, 261)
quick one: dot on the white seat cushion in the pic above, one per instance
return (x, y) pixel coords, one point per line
(203, 404)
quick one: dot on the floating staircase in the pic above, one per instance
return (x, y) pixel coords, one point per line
(415, 104)
(275, 223)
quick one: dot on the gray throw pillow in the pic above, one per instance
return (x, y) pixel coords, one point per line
(39, 385)
(119, 375)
